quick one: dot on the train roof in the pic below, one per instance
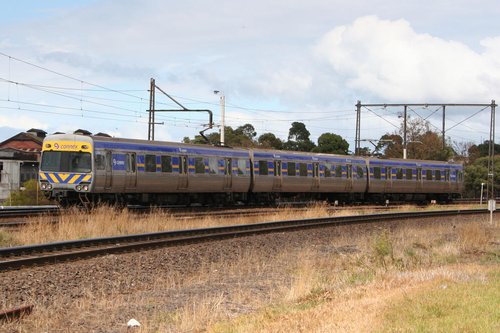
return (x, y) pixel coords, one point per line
(179, 147)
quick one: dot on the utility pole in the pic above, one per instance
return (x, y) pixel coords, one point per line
(223, 116)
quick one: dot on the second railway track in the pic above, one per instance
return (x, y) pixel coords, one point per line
(25, 256)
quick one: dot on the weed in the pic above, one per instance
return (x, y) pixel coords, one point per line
(383, 250)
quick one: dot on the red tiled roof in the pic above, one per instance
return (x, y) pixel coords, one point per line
(23, 145)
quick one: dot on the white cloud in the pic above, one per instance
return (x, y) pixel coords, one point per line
(21, 122)
(392, 62)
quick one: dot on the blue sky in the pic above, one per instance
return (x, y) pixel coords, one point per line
(67, 64)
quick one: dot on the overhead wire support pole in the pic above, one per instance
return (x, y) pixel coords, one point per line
(404, 131)
(152, 112)
(357, 139)
(491, 105)
(490, 187)
(444, 131)
(151, 128)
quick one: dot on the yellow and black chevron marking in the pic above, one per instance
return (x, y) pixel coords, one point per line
(65, 178)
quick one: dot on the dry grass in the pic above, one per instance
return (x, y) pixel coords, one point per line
(110, 221)
(352, 292)
(346, 286)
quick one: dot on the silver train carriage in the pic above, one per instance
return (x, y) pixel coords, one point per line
(88, 169)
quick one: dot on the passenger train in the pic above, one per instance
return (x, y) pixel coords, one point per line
(84, 169)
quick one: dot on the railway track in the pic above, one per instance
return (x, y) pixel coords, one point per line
(26, 211)
(11, 217)
(26, 256)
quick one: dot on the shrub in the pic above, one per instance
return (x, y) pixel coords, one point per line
(30, 195)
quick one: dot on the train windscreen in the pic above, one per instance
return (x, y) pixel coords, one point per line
(66, 161)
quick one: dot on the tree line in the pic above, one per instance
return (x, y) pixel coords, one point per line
(422, 143)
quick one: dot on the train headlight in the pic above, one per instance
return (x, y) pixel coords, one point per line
(49, 187)
(43, 186)
(85, 187)
(78, 188)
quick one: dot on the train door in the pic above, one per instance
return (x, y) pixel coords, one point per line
(348, 185)
(419, 179)
(388, 180)
(183, 173)
(130, 171)
(228, 175)
(447, 180)
(315, 185)
(108, 171)
(277, 181)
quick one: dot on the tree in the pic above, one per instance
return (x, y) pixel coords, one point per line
(481, 150)
(240, 137)
(390, 145)
(298, 138)
(332, 143)
(246, 130)
(269, 140)
(421, 142)
(462, 150)
(477, 173)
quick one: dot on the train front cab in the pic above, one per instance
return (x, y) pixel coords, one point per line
(66, 168)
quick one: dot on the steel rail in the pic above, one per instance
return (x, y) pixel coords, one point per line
(24, 211)
(24, 256)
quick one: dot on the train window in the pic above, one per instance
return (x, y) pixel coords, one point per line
(428, 174)
(213, 165)
(263, 168)
(100, 162)
(199, 165)
(291, 169)
(328, 169)
(437, 175)
(360, 172)
(303, 169)
(399, 173)
(242, 167)
(150, 163)
(409, 174)
(377, 173)
(338, 171)
(447, 175)
(166, 164)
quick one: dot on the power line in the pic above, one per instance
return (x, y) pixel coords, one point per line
(66, 76)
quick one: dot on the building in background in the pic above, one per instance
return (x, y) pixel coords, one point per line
(19, 160)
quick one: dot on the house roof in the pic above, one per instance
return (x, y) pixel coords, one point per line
(24, 142)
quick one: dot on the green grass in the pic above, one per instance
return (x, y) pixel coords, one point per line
(472, 306)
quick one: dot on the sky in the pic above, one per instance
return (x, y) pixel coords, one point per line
(71, 64)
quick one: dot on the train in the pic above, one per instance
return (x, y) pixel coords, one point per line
(78, 169)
